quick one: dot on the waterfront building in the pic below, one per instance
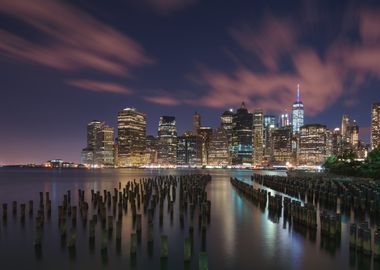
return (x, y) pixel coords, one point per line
(242, 137)
(258, 140)
(227, 123)
(104, 149)
(116, 152)
(87, 157)
(131, 128)
(167, 141)
(100, 145)
(269, 125)
(92, 130)
(196, 123)
(329, 142)
(205, 134)
(218, 154)
(297, 113)
(281, 145)
(313, 145)
(88, 153)
(375, 126)
(336, 142)
(189, 150)
(151, 149)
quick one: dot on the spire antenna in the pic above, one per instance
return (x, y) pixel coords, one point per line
(298, 93)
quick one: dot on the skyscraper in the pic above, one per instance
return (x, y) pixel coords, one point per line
(104, 150)
(313, 144)
(297, 113)
(131, 129)
(354, 133)
(258, 140)
(375, 125)
(218, 150)
(196, 123)
(345, 129)
(88, 153)
(167, 141)
(269, 124)
(92, 130)
(284, 120)
(100, 145)
(242, 137)
(336, 142)
(281, 145)
(151, 149)
(189, 150)
(205, 134)
(227, 123)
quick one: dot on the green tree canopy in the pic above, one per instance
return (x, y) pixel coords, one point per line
(371, 166)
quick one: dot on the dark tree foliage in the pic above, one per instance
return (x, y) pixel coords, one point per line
(371, 166)
(344, 164)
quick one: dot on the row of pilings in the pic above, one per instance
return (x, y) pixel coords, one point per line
(106, 212)
(362, 196)
(305, 214)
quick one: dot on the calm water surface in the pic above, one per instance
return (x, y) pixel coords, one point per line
(240, 236)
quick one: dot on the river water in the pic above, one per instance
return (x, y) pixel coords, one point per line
(241, 235)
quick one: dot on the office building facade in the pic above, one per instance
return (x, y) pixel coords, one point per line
(375, 125)
(167, 141)
(131, 129)
(313, 145)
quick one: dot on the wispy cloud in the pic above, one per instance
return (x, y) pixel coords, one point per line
(100, 86)
(319, 82)
(322, 75)
(268, 41)
(165, 7)
(163, 100)
(70, 39)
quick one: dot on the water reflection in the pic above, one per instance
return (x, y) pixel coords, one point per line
(241, 235)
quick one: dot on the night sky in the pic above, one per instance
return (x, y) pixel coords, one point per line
(65, 63)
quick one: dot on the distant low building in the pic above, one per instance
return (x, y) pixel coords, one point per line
(59, 163)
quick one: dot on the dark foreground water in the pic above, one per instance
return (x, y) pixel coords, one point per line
(240, 235)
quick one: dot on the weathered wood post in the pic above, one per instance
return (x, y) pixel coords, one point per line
(164, 247)
(203, 261)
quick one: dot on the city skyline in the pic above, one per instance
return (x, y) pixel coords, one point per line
(108, 57)
(242, 139)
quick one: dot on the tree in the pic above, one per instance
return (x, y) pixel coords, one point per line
(343, 164)
(371, 166)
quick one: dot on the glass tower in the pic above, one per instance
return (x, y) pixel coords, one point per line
(167, 141)
(297, 113)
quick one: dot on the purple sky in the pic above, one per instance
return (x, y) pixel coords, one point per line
(65, 63)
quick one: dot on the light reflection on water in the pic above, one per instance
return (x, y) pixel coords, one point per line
(241, 235)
